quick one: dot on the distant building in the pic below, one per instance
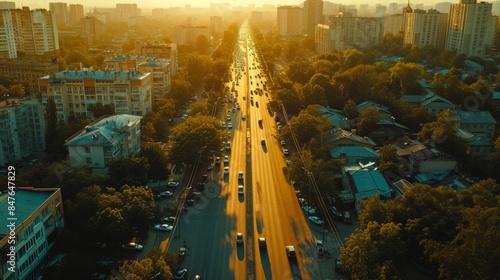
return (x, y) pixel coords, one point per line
(60, 9)
(29, 32)
(159, 50)
(27, 72)
(126, 11)
(188, 34)
(479, 144)
(76, 12)
(4, 5)
(393, 24)
(354, 155)
(97, 15)
(424, 28)
(216, 25)
(432, 102)
(74, 91)
(91, 27)
(336, 118)
(469, 28)
(312, 15)
(105, 140)
(256, 17)
(365, 183)
(23, 129)
(477, 122)
(39, 222)
(290, 20)
(337, 137)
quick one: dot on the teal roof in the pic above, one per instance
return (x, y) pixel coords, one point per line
(98, 75)
(335, 117)
(336, 134)
(124, 58)
(369, 183)
(105, 132)
(353, 151)
(368, 104)
(496, 95)
(26, 203)
(475, 117)
(157, 62)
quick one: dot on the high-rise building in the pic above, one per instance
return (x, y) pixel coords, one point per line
(27, 72)
(98, 15)
(256, 16)
(91, 27)
(393, 24)
(61, 11)
(23, 129)
(380, 10)
(126, 11)
(290, 20)
(347, 31)
(74, 91)
(469, 28)
(312, 15)
(75, 13)
(322, 41)
(104, 141)
(188, 34)
(443, 7)
(425, 28)
(159, 50)
(216, 24)
(30, 32)
(37, 227)
(4, 5)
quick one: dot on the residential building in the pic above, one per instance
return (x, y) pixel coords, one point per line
(75, 13)
(256, 17)
(23, 129)
(476, 122)
(432, 102)
(312, 15)
(39, 221)
(469, 28)
(98, 15)
(159, 50)
(188, 34)
(365, 183)
(5, 5)
(105, 140)
(495, 100)
(337, 137)
(336, 118)
(380, 10)
(290, 20)
(354, 155)
(27, 72)
(479, 145)
(31, 32)
(160, 70)
(385, 114)
(216, 25)
(159, 13)
(60, 9)
(425, 28)
(91, 27)
(74, 91)
(347, 31)
(322, 42)
(430, 160)
(393, 24)
(126, 11)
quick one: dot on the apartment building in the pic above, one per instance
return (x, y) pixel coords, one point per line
(312, 15)
(159, 50)
(123, 12)
(322, 41)
(27, 72)
(60, 9)
(4, 5)
(188, 34)
(74, 91)
(76, 12)
(469, 29)
(425, 28)
(290, 20)
(91, 27)
(38, 223)
(105, 140)
(31, 32)
(22, 129)
(216, 25)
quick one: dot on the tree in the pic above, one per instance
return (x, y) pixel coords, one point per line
(181, 92)
(368, 118)
(202, 44)
(305, 126)
(194, 137)
(158, 170)
(128, 171)
(389, 159)
(199, 108)
(408, 74)
(153, 266)
(139, 207)
(350, 110)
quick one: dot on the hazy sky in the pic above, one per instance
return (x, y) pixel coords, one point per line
(201, 3)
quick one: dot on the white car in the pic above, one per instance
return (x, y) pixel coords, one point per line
(243, 117)
(283, 143)
(173, 184)
(226, 170)
(168, 219)
(316, 220)
(217, 160)
(241, 190)
(132, 246)
(286, 152)
(164, 227)
(167, 194)
(239, 238)
(226, 159)
(309, 210)
(229, 125)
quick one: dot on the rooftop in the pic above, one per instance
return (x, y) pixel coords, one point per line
(405, 145)
(353, 151)
(79, 75)
(475, 117)
(336, 117)
(337, 134)
(369, 183)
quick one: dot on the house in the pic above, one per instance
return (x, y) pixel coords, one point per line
(336, 118)
(338, 137)
(476, 122)
(36, 226)
(386, 129)
(353, 155)
(105, 140)
(432, 102)
(401, 186)
(495, 99)
(365, 183)
(405, 146)
(472, 68)
(479, 144)
(385, 114)
(429, 160)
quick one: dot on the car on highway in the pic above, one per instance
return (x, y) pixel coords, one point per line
(263, 142)
(290, 251)
(286, 152)
(316, 220)
(262, 243)
(210, 167)
(241, 190)
(283, 143)
(173, 184)
(217, 160)
(243, 117)
(226, 159)
(240, 175)
(132, 246)
(309, 210)
(164, 227)
(239, 238)
(226, 170)
(181, 274)
(166, 194)
(229, 125)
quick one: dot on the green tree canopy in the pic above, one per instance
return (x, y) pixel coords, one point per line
(128, 171)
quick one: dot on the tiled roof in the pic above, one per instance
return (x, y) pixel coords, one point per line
(353, 151)
(475, 117)
(336, 117)
(369, 183)
(337, 133)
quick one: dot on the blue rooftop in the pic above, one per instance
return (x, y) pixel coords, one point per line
(354, 151)
(369, 183)
(78, 75)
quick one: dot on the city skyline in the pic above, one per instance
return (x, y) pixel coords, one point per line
(145, 4)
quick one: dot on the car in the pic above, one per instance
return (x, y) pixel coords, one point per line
(156, 197)
(228, 117)
(316, 220)
(210, 167)
(217, 160)
(347, 217)
(288, 162)
(182, 251)
(226, 170)
(241, 190)
(240, 175)
(263, 142)
(338, 266)
(262, 243)
(260, 122)
(173, 184)
(170, 219)
(283, 143)
(105, 261)
(290, 251)
(239, 238)
(223, 125)
(243, 117)
(204, 178)
(181, 274)
(286, 152)
(336, 213)
(132, 246)
(164, 227)
(309, 210)
(190, 202)
(166, 194)
(226, 159)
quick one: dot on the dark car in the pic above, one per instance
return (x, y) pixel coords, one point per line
(181, 274)
(338, 266)
(336, 213)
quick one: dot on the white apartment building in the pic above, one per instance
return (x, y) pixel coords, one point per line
(128, 92)
(105, 140)
(469, 28)
(159, 50)
(425, 28)
(290, 20)
(22, 129)
(30, 32)
(39, 222)
(347, 31)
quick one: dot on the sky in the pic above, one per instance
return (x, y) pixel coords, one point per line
(36, 4)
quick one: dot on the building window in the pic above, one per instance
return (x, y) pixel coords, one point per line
(88, 160)
(87, 150)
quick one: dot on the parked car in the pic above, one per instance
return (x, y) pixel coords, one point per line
(240, 175)
(347, 217)
(286, 152)
(262, 243)
(168, 219)
(132, 246)
(283, 143)
(309, 210)
(217, 160)
(226, 170)
(316, 220)
(338, 266)
(164, 227)
(290, 251)
(226, 159)
(336, 213)
(173, 184)
(166, 194)
(181, 274)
